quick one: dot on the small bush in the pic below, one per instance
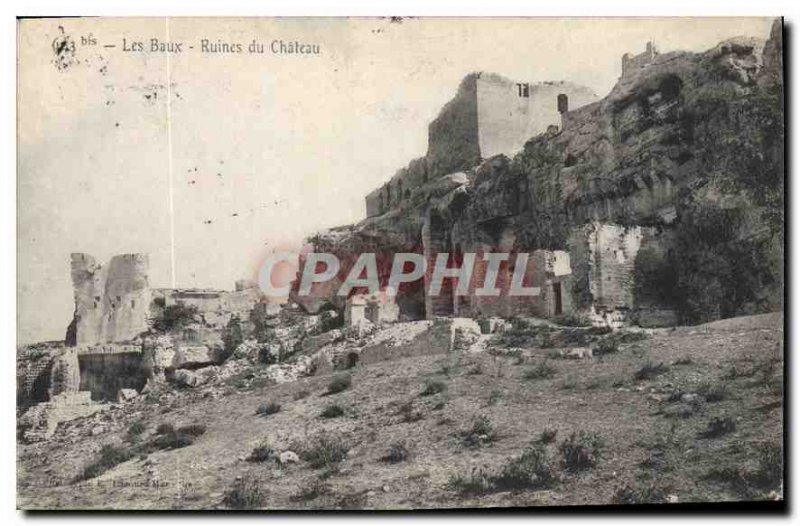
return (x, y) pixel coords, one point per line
(303, 393)
(340, 382)
(136, 429)
(530, 470)
(649, 371)
(478, 482)
(582, 451)
(475, 369)
(109, 457)
(324, 451)
(310, 491)
(333, 410)
(262, 453)
(433, 387)
(245, 494)
(268, 409)
(398, 452)
(164, 429)
(714, 392)
(192, 430)
(352, 501)
(548, 435)
(605, 346)
(569, 383)
(171, 438)
(480, 433)
(174, 317)
(541, 371)
(719, 427)
(494, 397)
(408, 414)
(640, 493)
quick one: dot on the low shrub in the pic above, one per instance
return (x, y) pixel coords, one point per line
(475, 369)
(649, 371)
(173, 317)
(640, 493)
(541, 371)
(324, 451)
(268, 409)
(477, 482)
(262, 453)
(714, 392)
(582, 451)
(481, 432)
(719, 427)
(164, 429)
(245, 493)
(605, 346)
(547, 435)
(303, 393)
(408, 414)
(333, 410)
(570, 382)
(108, 457)
(340, 382)
(136, 429)
(531, 470)
(193, 430)
(398, 452)
(311, 490)
(170, 438)
(433, 387)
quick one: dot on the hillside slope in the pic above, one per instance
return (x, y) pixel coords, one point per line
(652, 398)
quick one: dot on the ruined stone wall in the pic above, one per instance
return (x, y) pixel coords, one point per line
(33, 379)
(510, 113)
(620, 175)
(453, 144)
(632, 62)
(216, 307)
(610, 253)
(112, 302)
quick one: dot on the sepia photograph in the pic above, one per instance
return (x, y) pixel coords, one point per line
(400, 263)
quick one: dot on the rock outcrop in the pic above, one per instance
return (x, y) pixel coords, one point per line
(112, 302)
(619, 191)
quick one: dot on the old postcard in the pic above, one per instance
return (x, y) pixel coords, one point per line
(399, 263)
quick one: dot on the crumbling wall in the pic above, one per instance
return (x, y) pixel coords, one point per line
(453, 144)
(215, 307)
(621, 174)
(510, 113)
(112, 302)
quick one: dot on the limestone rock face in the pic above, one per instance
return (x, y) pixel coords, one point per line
(65, 376)
(193, 356)
(111, 302)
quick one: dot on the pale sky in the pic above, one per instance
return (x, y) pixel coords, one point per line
(288, 143)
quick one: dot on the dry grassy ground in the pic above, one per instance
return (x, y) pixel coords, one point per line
(705, 426)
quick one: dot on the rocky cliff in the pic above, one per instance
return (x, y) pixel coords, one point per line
(687, 148)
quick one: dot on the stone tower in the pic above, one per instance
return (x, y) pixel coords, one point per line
(111, 302)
